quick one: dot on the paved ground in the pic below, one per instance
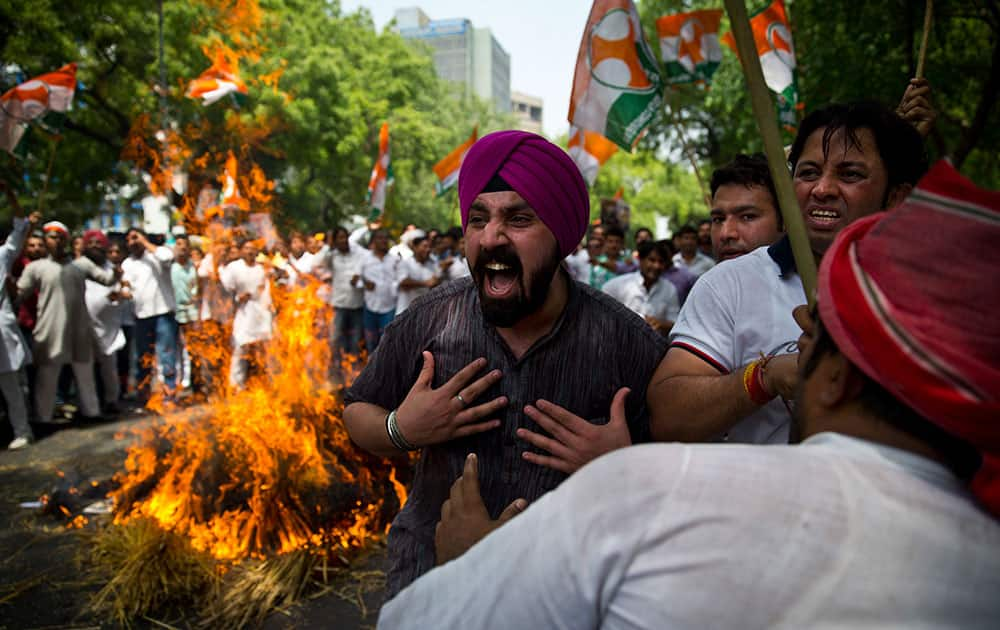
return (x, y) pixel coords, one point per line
(43, 577)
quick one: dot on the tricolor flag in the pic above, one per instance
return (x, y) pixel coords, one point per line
(447, 169)
(689, 45)
(773, 37)
(230, 190)
(616, 85)
(590, 150)
(43, 99)
(218, 81)
(381, 175)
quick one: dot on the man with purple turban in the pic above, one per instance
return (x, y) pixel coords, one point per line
(884, 516)
(518, 364)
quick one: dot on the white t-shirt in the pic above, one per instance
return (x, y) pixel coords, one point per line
(421, 272)
(382, 273)
(660, 302)
(737, 310)
(149, 280)
(698, 265)
(106, 316)
(252, 321)
(578, 265)
(343, 267)
(835, 533)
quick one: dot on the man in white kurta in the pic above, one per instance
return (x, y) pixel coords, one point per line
(416, 275)
(14, 352)
(247, 280)
(107, 313)
(63, 333)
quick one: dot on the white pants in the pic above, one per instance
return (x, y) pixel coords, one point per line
(108, 365)
(46, 381)
(17, 409)
(238, 366)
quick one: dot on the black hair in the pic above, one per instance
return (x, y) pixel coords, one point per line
(417, 241)
(455, 232)
(747, 170)
(614, 230)
(642, 229)
(182, 237)
(337, 230)
(704, 222)
(899, 145)
(648, 247)
(139, 231)
(687, 229)
(959, 455)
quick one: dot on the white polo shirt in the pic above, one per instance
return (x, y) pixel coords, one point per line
(660, 302)
(382, 273)
(737, 310)
(699, 265)
(421, 272)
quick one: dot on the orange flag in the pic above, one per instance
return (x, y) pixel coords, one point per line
(448, 168)
(590, 150)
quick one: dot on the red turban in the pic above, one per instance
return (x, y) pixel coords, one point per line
(542, 173)
(102, 239)
(911, 298)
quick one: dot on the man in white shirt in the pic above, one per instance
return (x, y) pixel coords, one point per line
(146, 273)
(107, 313)
(886, 499)
(417, 275)
(646, 292)
(347, 297)
(378, 277)
(248, 282)
(689, 256)
(849, 161)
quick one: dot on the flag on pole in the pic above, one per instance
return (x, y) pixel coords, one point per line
(448, 168)
(617, 85)
(590, 150)
(44, 99)
(773, 37)
(381, 175)
(689, 45)
(230, 190)
(219, 80)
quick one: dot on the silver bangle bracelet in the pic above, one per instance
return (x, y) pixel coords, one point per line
(395, 435)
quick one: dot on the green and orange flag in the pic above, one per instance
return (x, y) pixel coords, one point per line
(221, 78)
(689, 45)
(617, 88)
(448, 168)
(590, 150)
(773, 37)
(44, 100)
(381, 176)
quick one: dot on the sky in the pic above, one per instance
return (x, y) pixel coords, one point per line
(542, 38)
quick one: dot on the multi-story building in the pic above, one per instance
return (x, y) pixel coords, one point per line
(462, 53)
(528, 111)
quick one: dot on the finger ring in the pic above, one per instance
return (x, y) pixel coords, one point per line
(461, 400)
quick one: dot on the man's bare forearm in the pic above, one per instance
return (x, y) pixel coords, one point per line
(685, 408)
(366, 425)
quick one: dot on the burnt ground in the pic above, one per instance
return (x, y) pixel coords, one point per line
(44, 579)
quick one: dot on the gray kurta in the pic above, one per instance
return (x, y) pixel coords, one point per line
(14, 351)
(63, 332)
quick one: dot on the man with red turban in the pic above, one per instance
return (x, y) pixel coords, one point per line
(518, 364)
(884, 516)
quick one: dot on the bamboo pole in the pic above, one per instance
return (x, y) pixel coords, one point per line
(686, 149)
(928, 16)
(48, 174)
(763, 109)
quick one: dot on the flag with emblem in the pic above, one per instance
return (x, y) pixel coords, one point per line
(381, 176)
(590, 150)
(44, 100)
(689, 45)
(448, 168)
(220, 79)
(617, 88)
(773, 38)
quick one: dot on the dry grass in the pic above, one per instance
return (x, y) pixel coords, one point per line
(150, 569)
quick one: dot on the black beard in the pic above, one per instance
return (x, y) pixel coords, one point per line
(506, 313)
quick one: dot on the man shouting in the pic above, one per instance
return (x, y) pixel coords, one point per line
(518, 364)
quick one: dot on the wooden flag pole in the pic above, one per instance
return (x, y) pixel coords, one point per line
(928, 16)
(763, 110)
(675, 121)
(48, 174)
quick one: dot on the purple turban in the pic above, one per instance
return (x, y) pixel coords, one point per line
(536, 169)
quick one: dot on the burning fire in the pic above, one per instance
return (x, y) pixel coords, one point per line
(267, 469)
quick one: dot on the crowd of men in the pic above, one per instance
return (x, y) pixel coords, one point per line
(836, 466)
